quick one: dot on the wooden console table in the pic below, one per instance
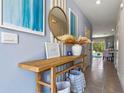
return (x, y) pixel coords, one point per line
(39, 66)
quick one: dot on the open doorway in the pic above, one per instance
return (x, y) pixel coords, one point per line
(98, 48)
(103, 48)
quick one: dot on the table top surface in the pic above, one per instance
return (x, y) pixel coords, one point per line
(41, 65)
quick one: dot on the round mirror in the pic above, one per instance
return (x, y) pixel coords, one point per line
(58, 22)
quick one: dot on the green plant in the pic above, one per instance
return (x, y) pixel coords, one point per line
(98, 47)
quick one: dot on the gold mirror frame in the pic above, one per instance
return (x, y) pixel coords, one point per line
(49, 20)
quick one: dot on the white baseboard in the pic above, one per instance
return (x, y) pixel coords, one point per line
(120, 80)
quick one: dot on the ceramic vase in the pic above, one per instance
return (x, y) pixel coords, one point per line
(76, 50)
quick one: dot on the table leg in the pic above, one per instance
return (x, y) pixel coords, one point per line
(53, 80)
(38, 86)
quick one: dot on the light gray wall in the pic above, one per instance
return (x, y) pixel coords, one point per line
(82, 22)
(30, 47)
(121, 48)
(16, 80)
(82, 19)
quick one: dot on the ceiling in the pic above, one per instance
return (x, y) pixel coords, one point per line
(103, 17)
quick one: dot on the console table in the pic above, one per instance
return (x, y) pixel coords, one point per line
(39, 66)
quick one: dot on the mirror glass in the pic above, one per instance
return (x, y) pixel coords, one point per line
(58, 22)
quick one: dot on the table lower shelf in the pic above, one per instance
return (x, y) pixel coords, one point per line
(54, 75)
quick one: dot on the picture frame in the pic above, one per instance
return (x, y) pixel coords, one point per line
(52, 50)
(73, 23)
(23, 15)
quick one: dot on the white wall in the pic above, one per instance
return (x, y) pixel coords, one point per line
(121, 48)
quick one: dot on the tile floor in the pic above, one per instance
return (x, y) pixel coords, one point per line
(102, 78)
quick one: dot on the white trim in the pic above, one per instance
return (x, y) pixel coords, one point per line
(21, 29)
(65, 5)
(51, 4)
(70, 10)
(55, 2)
(120, 79)
(69, 21)
(59, 3)
(51, 34)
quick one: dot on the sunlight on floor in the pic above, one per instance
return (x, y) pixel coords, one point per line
(97, 63)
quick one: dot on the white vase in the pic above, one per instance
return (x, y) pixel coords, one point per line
(76, 50)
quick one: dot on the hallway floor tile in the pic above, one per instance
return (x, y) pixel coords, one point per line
(102, 78)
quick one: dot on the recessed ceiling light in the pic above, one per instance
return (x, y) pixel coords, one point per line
(113, 30)
(98, 2)
(122, 5)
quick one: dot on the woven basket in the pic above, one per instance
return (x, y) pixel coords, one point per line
(77, 81)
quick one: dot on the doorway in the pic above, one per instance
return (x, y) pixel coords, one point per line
(98, 47)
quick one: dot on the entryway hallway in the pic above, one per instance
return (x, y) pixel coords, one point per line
(102, 77)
